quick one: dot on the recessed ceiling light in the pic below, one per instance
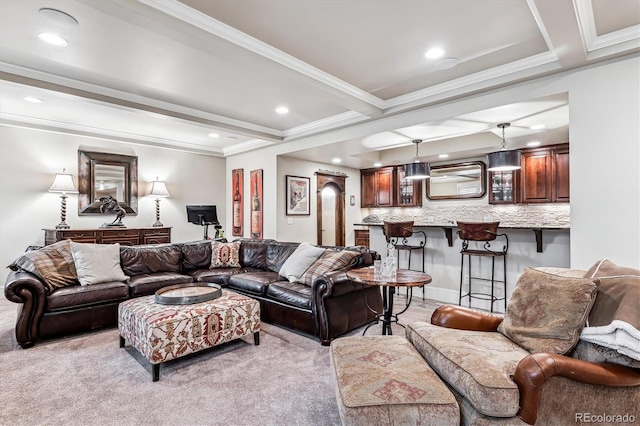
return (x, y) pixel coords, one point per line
(377, 164)
(282, 110)
(443, 156)
(53, 39)
(535, 143)
(434, 53)
(446, 63)
(537, 127)
(33, 99)
(233, 138)
(214, 135)
(58, 16)
(336, 160)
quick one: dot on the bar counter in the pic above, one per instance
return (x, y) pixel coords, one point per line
(449, 227)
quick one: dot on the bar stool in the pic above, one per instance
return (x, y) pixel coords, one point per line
(397, 234)
(482, 232)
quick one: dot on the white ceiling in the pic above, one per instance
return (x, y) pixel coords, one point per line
(168, 73)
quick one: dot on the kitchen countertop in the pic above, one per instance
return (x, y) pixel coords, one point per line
(448, 229)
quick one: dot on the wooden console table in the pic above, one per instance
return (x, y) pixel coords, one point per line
(124, 236)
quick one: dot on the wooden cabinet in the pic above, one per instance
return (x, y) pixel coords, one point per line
(503, 187)
(561, 174)
(387, 187)
(376, 188)
(408, 192)
(123, 236)
(362, 237)
(544, 177)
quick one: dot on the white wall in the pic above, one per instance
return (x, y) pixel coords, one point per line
(604, 108)
(604, 139)
(254, 161)
(304, 228)
(29, 159)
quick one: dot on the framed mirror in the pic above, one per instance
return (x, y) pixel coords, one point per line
(100, 175)
(457, 181)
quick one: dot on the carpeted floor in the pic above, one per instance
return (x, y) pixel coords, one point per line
(88, 380)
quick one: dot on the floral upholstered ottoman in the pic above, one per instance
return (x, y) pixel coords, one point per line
(383, 380)
(164, 332)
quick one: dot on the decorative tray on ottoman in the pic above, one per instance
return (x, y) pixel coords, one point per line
(187, 294)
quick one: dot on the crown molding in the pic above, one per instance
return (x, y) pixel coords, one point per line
(226, 32)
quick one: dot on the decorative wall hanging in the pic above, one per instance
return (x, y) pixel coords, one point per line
(297, 196)
(237, 189)
(256, 204)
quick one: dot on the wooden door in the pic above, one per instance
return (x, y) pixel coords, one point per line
(368, 188)
(385, 187)
(338, 184)
(561, 175)
(535, 177)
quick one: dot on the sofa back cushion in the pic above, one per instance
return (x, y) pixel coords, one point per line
(300, 260)
(278, 253)
(253, 253)
(53, 264)
(149, 259)
(330, 261)
(225, 255)
(196, 255)
(614, 320)
(97, 263)
(547, 312)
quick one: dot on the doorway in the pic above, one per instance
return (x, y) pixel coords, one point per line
(330, 210)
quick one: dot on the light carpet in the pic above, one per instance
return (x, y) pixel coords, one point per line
(87, 379)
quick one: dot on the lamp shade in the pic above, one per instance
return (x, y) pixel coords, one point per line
(503, 161)
(417, 170)
(63, 182)
(159, 189)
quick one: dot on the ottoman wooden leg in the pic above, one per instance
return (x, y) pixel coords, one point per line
(156, 372)
(121, 342)
(256, 338)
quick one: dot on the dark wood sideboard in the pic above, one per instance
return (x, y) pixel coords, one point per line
(124, 236)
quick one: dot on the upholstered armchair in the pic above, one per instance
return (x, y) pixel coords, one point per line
(521, 367)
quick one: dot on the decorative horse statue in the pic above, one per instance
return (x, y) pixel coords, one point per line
(110, 205)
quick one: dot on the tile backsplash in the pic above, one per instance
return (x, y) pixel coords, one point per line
(525, 215)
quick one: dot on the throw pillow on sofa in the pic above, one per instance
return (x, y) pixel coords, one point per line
(225, 255)
(547, 312)
(329, 261)
(53, 264)
(614, 320)
(97, 263)
(300, 260)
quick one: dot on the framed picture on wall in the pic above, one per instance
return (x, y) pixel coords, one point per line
(256, 203)
(297, 196)
(237, 189)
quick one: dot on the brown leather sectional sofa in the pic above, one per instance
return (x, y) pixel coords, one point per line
(332, 306)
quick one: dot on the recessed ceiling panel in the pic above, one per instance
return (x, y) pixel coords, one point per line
(379, 46)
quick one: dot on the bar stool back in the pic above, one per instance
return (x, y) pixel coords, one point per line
(482, 232)
(398, 234)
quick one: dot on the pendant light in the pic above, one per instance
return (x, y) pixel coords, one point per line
(503, 160)
(417, 169)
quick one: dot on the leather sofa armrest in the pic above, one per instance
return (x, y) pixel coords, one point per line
(535, 369)
(461, 318)
(27, 289)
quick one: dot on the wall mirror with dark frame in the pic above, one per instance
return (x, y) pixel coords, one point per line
(102, 174)
(457, 181)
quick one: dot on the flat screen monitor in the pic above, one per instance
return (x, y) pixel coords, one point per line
(202, 215)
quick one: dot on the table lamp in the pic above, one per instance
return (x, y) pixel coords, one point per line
(63, 184)
(159, 190)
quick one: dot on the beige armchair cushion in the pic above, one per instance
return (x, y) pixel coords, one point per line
(476, 364)
(547, 312)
